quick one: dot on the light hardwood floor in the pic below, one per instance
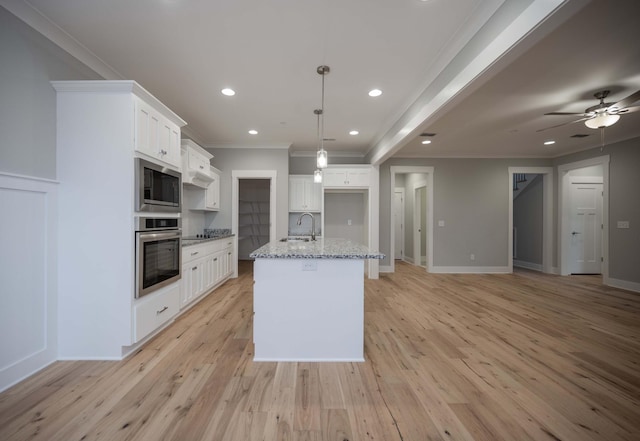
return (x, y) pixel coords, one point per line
(448, 357)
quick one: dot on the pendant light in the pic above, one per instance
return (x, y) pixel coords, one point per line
(317, 175)
(322, 160)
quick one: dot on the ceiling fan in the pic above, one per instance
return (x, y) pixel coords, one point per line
(603, 114)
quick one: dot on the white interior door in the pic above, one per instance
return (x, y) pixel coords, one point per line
(398, 214)
(586, 228)
(419, 226)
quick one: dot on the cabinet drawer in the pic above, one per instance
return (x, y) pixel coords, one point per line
(152, 313)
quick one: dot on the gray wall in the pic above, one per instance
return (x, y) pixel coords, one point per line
(471, 196)
(339, 208)
(624, 204)
(229, 159)
(27, 100)
(527, 219)
(299, 165)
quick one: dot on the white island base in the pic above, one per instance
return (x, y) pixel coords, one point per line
(308, 309)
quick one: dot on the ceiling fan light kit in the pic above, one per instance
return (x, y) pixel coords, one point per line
(602, 120)
(602, 114)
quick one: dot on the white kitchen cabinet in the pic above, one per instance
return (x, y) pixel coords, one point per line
(205, 266)
(152, 312)
(346, 177)
(155, 135)
(101, 128)
(196, 167)
(304, 194)
(212, 193)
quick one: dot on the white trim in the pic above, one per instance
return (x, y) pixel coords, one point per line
(45, 351)
(547, 209)
(527, 265)
(625, 284)
(236, 175)
(428, 171)
(564, 186)
(273, 146)
(308, 360)
(471, 269)
(407, 259)
(385, 269)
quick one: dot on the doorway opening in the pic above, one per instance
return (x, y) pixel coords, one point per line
(398, 215)
(253, 209)
(417, 218)
(541, 205)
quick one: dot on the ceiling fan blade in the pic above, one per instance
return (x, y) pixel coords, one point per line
(627, 110)
(626, 102)
(564, 124)
(563, 113)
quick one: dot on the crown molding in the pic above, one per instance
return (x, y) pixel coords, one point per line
(265, 146)
(42, 24)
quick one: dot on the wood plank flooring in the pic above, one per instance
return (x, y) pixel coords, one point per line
(524, 356)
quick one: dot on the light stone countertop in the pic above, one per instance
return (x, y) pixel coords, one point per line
(323, 248)
(190, 240)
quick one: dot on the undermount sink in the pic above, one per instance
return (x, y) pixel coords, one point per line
(294, 239)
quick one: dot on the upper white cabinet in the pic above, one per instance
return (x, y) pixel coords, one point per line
(212, 193)
(304, 194)
(355, 177)
(196, 167)
(155, 135)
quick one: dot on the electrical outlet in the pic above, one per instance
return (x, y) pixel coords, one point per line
(349, 222)
(309, 265)
(623, 224)
(441, 223)
(472, 257)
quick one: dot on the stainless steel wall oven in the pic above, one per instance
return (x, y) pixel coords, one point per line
(158, 253)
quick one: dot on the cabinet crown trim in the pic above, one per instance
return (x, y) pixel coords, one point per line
(118, 86)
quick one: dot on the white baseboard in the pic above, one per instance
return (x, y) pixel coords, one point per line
(408, 259)
(624, 284)
(527, 265)
(470, 269)
(385, 269)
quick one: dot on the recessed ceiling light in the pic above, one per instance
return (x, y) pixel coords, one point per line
(549, 142)
(228, 92)
(375, 92)
(353, 132)
(426, 141)
(253, 132)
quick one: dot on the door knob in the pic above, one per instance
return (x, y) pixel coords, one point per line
(573, 233)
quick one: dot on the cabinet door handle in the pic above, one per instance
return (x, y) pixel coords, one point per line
(194, 253)
(194, 268)
(201, 167)
(162, 310)
(215, 260)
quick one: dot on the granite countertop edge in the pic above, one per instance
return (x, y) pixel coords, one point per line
(322, 249)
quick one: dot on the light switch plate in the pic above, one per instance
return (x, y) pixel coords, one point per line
(623, 224)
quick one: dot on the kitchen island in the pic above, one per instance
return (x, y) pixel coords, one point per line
(308, 300)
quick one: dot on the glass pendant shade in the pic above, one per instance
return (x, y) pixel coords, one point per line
(322, 158)
(317, 176)
(602, 120)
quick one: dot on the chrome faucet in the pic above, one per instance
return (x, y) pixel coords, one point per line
(313, 224)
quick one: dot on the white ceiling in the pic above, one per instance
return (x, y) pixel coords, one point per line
(446, 66)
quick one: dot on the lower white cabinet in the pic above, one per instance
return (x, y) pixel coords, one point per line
(152, 311)
(204, 266)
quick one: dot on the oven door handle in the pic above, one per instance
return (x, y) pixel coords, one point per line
(159, 235)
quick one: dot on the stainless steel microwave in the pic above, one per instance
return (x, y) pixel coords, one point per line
(158, 188)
